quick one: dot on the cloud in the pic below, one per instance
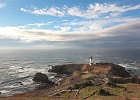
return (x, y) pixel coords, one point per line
(98, 24)
(57, 27)
(65, 20)
(2, 5)
(53, 11)
(38, 25)
(92, 11)
(64, 29)
(126, 34)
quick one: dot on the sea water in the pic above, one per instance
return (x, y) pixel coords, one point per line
(17, 67)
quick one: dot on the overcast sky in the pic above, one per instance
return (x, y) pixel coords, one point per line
(69, 24)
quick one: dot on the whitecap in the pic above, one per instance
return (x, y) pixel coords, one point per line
(10, 72)
(15, 67)
(128, 66)
(4, 91)
(51, 77)
(29, 69)
(2, 70)
(20, 71)
(27, 82)
(11, 86)
(1, 82)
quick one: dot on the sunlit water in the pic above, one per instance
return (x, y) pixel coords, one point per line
(18, 66)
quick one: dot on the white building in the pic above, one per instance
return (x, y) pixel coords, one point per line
(90, 62)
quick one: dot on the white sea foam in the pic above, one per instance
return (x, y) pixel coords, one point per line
(11, 72)
(20, 71)
(51, 77)
(29, 69)
(27, 82)
(128, 66)
(2, 70)
(11, 86)
(4, 91)
(15, 67)
(1, 82)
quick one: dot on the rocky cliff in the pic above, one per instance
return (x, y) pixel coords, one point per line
(119, 71)
(111, 69)
(67, 68)
(125, 80)
(118, 74)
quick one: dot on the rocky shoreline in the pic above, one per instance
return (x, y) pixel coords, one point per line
(97, 74)
(115, 73)
(66, 69)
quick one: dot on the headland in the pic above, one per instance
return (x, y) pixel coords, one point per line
(100, 81)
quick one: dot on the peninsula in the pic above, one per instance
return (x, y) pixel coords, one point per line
(100, 81)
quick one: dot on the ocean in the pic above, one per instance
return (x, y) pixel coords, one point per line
(18, 67)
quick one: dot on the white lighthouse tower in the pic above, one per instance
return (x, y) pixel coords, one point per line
(90, 62)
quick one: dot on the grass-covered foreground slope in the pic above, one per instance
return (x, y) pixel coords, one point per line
(121, 92)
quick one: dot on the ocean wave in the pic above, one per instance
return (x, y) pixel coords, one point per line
(27, 82)
(14, 60)
(15, 67)
(129, 66)
(11, 86)
(2, 69)
(13, 80)
(4, 91)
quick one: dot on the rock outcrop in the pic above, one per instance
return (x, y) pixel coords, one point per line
(125, 80)
(39, 77)
(66, 69)
(116, 70)
(118, 74)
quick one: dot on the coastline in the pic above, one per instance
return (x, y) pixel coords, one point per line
(72, 71)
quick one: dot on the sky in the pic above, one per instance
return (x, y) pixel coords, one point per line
(69, 24)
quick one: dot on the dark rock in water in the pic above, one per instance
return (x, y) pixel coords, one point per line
(49, 70)
(39, 77)
(20, 83)
(0, 93)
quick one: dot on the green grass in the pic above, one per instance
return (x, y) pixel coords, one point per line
(81, 85)
(70, 94)
(122, 90)
(88, 91)
(89, 76)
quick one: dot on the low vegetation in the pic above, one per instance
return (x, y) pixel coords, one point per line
(88, 91)
(111, 84)
(81, 85)
(103, 92)
(89, 76)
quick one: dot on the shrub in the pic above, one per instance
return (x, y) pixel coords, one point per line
(111, 84)
(102, 92)
(81, 85)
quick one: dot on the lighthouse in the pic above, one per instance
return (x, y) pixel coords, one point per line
(90, 62)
